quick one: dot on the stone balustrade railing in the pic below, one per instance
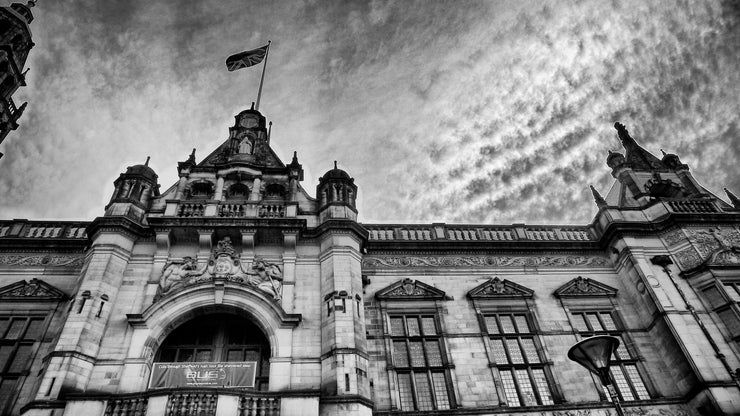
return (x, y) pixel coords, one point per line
(697, 206)
(446, 232)
(43, 229)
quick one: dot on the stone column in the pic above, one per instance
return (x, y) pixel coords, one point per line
(255, 194)
(290, 239)
(180, 193)
(218, 195)
(204, 246)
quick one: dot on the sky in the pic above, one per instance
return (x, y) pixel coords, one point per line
(443, 111)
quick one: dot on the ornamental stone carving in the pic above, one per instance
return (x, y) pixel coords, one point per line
(581, 286)
(497, 288)
(36, 289)
(485, 261)
(43, 260)
(224, 264)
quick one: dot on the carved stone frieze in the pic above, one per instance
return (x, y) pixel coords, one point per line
(486, 261)
(43, 260)
(674, 237)
(688, 258)
(497, 288)
(223, 264)
(581, 286)
(34, 289)
(410, 289)
(712, 239)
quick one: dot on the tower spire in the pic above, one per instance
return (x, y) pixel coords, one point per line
(600, 201)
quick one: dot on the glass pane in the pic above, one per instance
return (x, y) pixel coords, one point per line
(35, 326)
(235, 355)
(430, 327)
(521, 323)
(608, 321)
(540, 381)
(16, 328)
(440, 390)
(637, 383)
(4, 323)
(404, 392)
(185, 355)
(412, 323)
(397, 326)
(423, 392)
(204, 355)
(594, 321)
(251, 355)
(621, 384)
(732, 292)
(491, 324)
(7, 391)
(730, 319)
(530, 351)
(205, 336)
(512, 397)
(235, 335)
(525, 386)
(400, 354)
(514, 351)
(22, 359)
(712, 294)
(167, 355)
(417, 354)
(5, 351)
(579, 322)
(507, 324)
(499, 354)
(434, 355)
(621, 351)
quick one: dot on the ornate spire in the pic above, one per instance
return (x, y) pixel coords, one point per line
(147, 161)
(600, 201)
(734, 199)
(636, 157)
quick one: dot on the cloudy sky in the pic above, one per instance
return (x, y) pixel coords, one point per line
(457, 111)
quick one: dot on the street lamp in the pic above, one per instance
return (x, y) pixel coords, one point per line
(594, 353)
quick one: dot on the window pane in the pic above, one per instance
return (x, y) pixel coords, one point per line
(507, 324)
(7, 393)
(530, 351)
(5, 351)
(167, 355)
(235, 355)
(185, 355)
(404, 392)
(579, 322)
(608, 321)
(4, 323)
(412, 324)
(512, 397)
(423, 392)
(400, 354)
(16, 328)
(732, 292)
(521, 323)
(252, 355)
(499, 354)
(204, 355)
(491, 324)
(430, 327)
(621, 352)
(639, 386)
(397, 326)
(525, 386)
(22, 358)
(440, 390)
(730, 319)
(712, 294)
(417, 354)
(621, 384)
(34, 329)
(540, 381)
(594, 321)
(434, 354)
(514, 352)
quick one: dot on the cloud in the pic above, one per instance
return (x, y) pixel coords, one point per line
(474, 112)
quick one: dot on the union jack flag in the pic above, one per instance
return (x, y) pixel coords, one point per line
(245, 59)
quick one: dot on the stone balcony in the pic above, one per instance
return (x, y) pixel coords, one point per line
(231, 209)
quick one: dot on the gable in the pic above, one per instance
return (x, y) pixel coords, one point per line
(34, 290)
(264, 157)
(408, 289)
(500, 289)
(584, 287)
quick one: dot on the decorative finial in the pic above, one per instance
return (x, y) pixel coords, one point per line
(295, 156)
(600, 201)
(733, 198)
(147, 161)
(193, 153)
(663, 152)
(31, 3)
(252, 105)
(335, 164)
(624, 135)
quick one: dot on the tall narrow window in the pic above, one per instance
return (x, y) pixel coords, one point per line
(419, 362)
(522, 370)
(17, 337)
(624, 373)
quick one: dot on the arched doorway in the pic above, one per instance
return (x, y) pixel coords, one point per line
(219, 338)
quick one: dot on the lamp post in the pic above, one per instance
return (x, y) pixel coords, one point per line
(594, 353)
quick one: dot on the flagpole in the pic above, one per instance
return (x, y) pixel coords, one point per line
(262, 79)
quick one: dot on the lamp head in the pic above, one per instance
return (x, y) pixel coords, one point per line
(594, 353)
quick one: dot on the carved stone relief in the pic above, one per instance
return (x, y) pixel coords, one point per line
(485, 261)
(44, 260)
(716, 245)
(674, 237)
(223, 264)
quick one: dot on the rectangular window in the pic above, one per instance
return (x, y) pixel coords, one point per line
(514, 348)
(18, 335)
(623, 370)
(419, 362)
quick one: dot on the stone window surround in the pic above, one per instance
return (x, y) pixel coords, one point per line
(7, 372)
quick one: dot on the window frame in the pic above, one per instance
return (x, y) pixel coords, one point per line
(726, 305)
(15, 378)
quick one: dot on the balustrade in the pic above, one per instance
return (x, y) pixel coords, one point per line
(232, 210)
(134, 406)
(692, 206)
(259, 406)
(271, 211)
(192, 404)
(191, 209)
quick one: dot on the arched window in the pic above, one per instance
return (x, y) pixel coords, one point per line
(201, 190)
(274, 191)
(219, 338)
(238, 191)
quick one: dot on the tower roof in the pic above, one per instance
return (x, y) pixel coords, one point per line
(142, 170)
(336, 173)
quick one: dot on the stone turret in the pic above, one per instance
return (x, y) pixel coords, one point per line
(337, 194)
(134, 190)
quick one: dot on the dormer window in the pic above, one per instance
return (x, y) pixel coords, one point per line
(274, 191)
(201, 190)
(238, 191)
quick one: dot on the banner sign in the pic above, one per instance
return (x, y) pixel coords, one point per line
(222, 374)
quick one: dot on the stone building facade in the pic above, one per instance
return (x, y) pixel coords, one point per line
(236, 292)
(15, 43)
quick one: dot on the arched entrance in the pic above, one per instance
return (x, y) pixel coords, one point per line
(219, 338)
